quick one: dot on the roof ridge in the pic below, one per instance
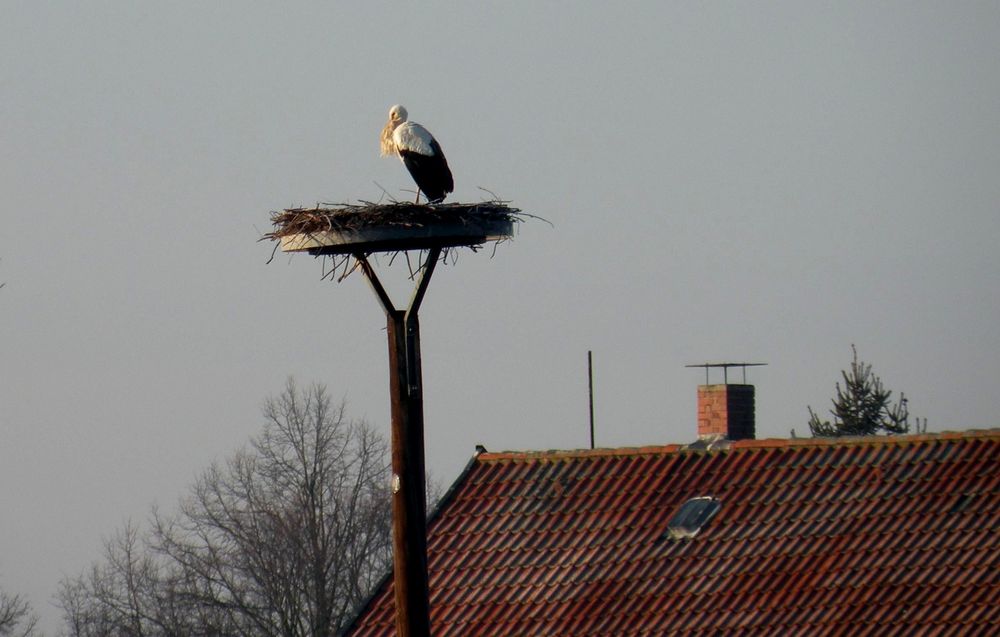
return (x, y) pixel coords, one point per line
(764, 443)
(578, 453)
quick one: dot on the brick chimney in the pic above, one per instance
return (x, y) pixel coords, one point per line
(726, 411)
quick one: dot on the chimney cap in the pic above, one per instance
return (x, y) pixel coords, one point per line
(725, 369)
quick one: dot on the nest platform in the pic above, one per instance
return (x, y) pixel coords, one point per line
(345, 229)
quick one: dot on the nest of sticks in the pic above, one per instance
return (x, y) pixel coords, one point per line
(362, 215)
(366, 215)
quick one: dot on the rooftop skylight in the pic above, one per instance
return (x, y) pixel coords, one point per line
(691, 517)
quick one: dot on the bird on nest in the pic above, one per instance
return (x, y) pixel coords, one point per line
(420, 153)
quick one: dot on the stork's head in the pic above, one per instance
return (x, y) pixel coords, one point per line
(397, 115)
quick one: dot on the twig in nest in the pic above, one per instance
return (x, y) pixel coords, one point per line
(347, 272)
(274, 252)
(409, 266)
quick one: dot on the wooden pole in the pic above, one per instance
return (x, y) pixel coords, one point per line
(409, 532)
(409, 500)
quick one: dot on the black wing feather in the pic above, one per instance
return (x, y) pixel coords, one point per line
(431, 172)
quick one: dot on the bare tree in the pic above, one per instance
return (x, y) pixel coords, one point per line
(291, 534)
(16, 616)
(129, 592)
(287, 537)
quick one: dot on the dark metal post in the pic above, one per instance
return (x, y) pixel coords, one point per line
(409, 503)
(590, 387)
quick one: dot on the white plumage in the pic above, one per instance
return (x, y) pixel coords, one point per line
(419, 152)
(413, 137)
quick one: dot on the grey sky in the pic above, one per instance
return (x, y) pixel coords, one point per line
(766, 182)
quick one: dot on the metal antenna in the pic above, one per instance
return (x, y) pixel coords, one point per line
(590, 385)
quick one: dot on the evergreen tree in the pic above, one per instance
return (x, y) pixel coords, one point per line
(862, 406)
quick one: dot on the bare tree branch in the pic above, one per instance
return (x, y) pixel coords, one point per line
(16, 616)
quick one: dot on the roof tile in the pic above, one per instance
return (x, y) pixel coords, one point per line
(881, 535)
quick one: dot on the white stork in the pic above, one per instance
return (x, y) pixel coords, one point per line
(419, 152)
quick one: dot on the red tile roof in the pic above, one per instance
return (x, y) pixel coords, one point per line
(859, 536)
